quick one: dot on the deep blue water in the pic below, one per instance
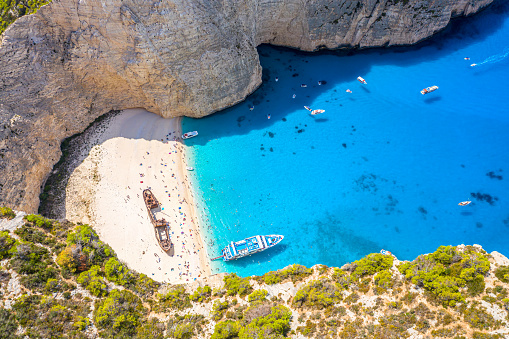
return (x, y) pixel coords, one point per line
(383, 167)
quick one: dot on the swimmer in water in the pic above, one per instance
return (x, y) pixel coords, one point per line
(348, 91)
(268, 116)
(251, 108)
(293, 96)
(473, 65)
(277, 79)
(303, 85)
(319, 83)
(467, 58)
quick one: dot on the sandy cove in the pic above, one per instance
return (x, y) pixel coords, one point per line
(136, 150)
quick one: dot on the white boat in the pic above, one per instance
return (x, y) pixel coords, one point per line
(309, 109)
(362, 81)
(248, 246)
(317, 111)
(429, 90)
(189, 135)
(189, 168)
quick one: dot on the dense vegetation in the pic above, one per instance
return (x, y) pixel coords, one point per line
(79, 287)
(10, 10)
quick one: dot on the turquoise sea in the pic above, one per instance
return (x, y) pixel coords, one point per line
(383, 167)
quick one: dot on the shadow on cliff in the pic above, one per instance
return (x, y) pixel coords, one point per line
(285, 70)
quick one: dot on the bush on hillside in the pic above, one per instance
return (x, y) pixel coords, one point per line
(371, 264)
(85, 237)
(236, 285)
(93, 281)
(7, 245)
(6, 212)
(294, 273)
(8, 324)
(201, 294)
(318, 294)
(35, 265)
(118, 273)
(502, 273)
(176, 298)
(446, 270)
(10, 10)
(39, 221)
(258, 295)
(119, 314)
(185, 327)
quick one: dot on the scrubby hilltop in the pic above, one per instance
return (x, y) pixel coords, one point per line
(60, 280)
(73, 61)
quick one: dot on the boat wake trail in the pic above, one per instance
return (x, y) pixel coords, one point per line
(495, 58)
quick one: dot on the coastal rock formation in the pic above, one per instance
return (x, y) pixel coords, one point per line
(73, 61)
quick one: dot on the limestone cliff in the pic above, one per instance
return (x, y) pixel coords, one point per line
(75, 60)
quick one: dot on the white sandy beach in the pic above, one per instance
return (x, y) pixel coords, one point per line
(134, 151)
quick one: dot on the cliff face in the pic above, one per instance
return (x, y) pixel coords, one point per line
(73, 61)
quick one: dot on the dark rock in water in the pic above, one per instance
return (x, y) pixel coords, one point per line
(422, 210)
(344, 145)
(478, 224)
(484, 197)
(300, 131)
(295, 75)
(462, 166)
(241, 118)
(492, 175)
(271, 149)
(322, 82)
(262, 148)
(284, 119)
(271, 134)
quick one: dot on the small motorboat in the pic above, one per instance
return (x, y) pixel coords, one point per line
(189, 135)
(429, 90)
(309, 109)
(384, 252)
(251, 108)
(465, 203)
(189, 168)
(303, 85)
(317, 111)
(293, 96)
(362, 81)
(473, 65)
(348, 91)
(467, 58)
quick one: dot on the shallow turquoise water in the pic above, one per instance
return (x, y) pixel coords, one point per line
(383, 167)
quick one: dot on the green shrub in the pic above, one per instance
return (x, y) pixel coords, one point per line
(226, 330)
(258, 295)
(35, 265)
(294, 273)
(371, 264)
(274, 325)
(118, 272)
(447, 270)
(176, 298)
(8, 324)
(39, 221)
(236, 285)
(187, 326)
(93, 281)
(10, 10)
(478, 318)
(219, 309)
(6, 212)
(384, 279)
(201, 294)
(317, 293)
(152, 329)
(7, 245)
(502, 273)
(342, 278)
(45, 317)
(119, 314)
(87, 239)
